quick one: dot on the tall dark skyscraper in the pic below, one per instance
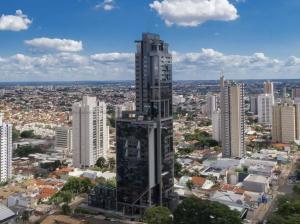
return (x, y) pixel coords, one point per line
(145, 156)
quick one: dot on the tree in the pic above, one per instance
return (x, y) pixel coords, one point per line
(158, 215)
(27, 134)
(15, 134)
(25, 216)
(66, 209)
(101, 162)
(196, 211)
(190, 184)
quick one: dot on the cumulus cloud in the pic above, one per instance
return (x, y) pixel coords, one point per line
(16, 22)
(200, 65)
(194, 12)
(45, 43)
(106, 5)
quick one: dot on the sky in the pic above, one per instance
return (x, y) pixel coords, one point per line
(71, 40)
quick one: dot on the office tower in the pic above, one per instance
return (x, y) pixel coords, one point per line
(211, 105)
(5, 150)
(63, 140)
(286, 122)
(268, 88)
(216, 125)
(253, 105)
(232, 118)
(145, 156)
(90, 134)
(265, 103)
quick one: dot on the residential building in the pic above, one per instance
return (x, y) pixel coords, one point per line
(296, 95)
(268, 88)
(63, 140)
(286, 122)
(232, 118)
(211, 105)
(5, 150)
(265, 103)
(90, 132)
(253, 105)
(216, 125)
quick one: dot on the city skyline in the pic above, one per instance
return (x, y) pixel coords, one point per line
(82, 41)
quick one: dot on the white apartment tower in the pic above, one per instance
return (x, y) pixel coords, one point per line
(5, 150)
(90, 132)
(265, 103)
(63, 140)
(216, 125)
(211, 105)
(232, 118)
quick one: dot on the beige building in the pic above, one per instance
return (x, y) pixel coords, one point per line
(232, 119)
(268, 88)
(286, 122)
(63, 140)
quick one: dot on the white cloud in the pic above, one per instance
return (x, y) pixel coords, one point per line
(45, 43)
(16, 22)
(203, 64)
(194, 12)
(106, 5)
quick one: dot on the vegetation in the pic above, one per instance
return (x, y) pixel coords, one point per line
(104, 164)
(25, 150)
(15, 134)
(190, 184)
(27, 134)
(73, 187)
(158, 215)
(203, 139)
(196, 211)
(177, 169)
(51, 166)
(66, 209)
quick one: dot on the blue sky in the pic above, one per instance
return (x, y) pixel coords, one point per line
(94, 40)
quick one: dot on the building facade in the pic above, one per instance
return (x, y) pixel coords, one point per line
(265, 104)
(63, 140)
(211, 105)
(90, 132)
(286, 122)
(232, 118)
(216, 125)
(268, 88)
(144, 142)
(5, 150)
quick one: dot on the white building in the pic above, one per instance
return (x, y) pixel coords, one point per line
(265, 103)
(90, 132)
(211, 105)
(63, 140)
(128, 106)
(216, 125)
(5, 150)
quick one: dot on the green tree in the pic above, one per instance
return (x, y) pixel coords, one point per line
(27, 134)
(25, 216)
(158, 215)
(66, 209)
(177, 168)
(196, 211)
(101, 162)
(111, 163)
(190, 184)
(15, 134)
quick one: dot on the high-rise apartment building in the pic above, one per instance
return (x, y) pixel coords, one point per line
(145, 156)
(63, 140)
(265, 104)
(90, 132)
(296, 95)
(5, 150)
(216, 125)
(211, 105)
(286, 122)
(232, 118)
(253, 105)
(119, 109)
(268, 88)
